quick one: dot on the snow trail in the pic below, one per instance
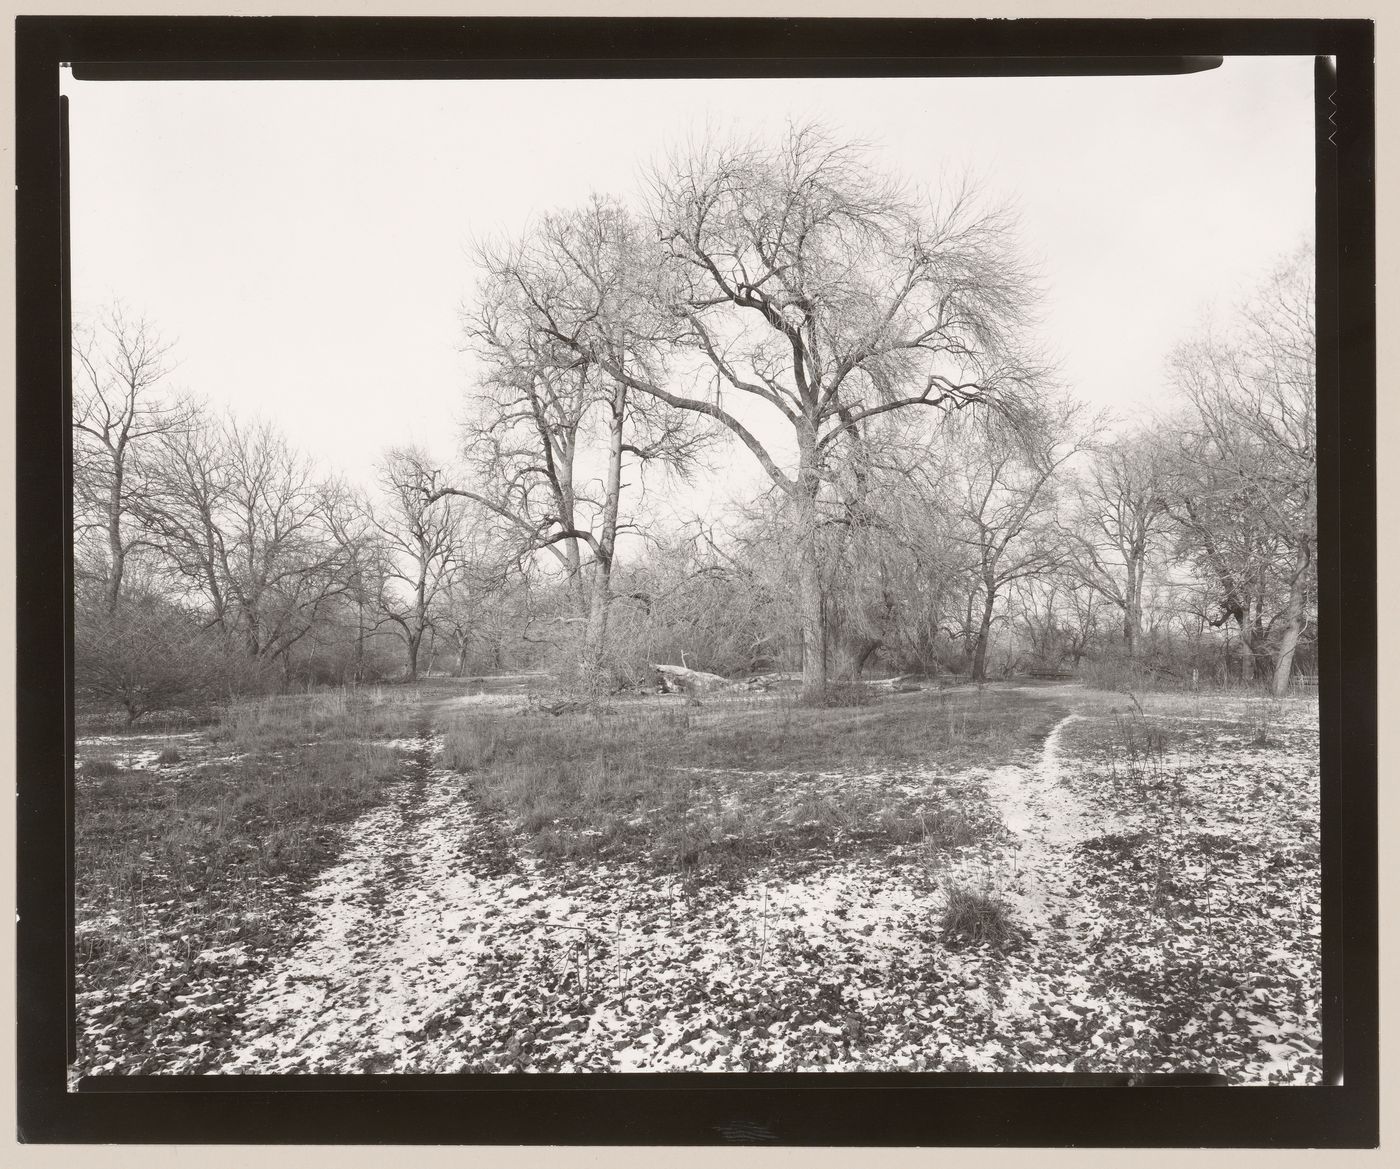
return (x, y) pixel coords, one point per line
(1045, 820)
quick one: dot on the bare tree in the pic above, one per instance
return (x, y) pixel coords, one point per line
(249, 527)
(812, 287)
(1007, 502)
(148, 656)
(1246, 499)
(543, 392)
(1041, 619)
(1082, 609)
(421, 541)
(120, 410)
(1120, 524)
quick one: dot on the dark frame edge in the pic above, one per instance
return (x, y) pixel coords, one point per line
(1342, 1116)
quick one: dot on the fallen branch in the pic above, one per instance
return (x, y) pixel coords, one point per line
(682, 680)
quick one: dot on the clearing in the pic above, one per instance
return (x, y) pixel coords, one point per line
(441, 879)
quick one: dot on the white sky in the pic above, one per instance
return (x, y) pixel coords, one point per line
(304, 243)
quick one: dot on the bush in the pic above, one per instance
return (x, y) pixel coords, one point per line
(977, 919)
(147, 656)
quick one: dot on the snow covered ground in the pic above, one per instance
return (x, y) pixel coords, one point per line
(1166, 911)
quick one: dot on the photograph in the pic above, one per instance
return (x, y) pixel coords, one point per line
(749, 574)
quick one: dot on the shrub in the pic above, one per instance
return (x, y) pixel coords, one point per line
(975, 918)
(147, 656)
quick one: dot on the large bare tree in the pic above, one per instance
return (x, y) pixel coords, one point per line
(546, 397)
(795, 279)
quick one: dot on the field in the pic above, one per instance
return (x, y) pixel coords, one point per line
(445, 878)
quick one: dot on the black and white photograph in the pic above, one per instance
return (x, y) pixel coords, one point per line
(735, 575)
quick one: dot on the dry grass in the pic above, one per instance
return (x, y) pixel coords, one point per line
(973, 917)
(271, 724)
(215, 838)
(736, 780)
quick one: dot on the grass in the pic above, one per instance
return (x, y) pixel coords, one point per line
(208, 844)
(975, 918)
(272, 724)
(180, 857)
(734, 781)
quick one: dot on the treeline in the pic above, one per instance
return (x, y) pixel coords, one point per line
(934, 502)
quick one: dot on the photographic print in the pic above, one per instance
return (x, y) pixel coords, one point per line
(750, 574)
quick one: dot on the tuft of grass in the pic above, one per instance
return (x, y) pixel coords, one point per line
(168, 756)
(1263, 718)
(100, 768)
(974, 917)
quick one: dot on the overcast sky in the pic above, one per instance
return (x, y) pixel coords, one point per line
(304, 244)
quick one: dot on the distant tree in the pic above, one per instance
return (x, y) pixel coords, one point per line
(121, 409)
(1216, 533)
(252, 531)
(1082, 611)
(147, 656)
(1119, 524)
(420, 540)
(1041, 620)
(1245, 497)
(1007, 502)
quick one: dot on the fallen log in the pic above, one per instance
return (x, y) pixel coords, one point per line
(899, 685)
(763, 682)
(682, 680)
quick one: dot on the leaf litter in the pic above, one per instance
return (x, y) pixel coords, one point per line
(1164, 902)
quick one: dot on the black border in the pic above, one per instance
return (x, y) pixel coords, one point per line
(865, 1110)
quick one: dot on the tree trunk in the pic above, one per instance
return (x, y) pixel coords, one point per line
(116, 568)
(413, 640)
(811, 597)
(359, 642)
(596, 630)
(1283, 668)
(252, 638)
(813, 606)
(600, 595)
(1132, 625)
(864, 656)
(1246, 650)
(984, 631)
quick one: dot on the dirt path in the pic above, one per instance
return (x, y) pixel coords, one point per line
(364, 965)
